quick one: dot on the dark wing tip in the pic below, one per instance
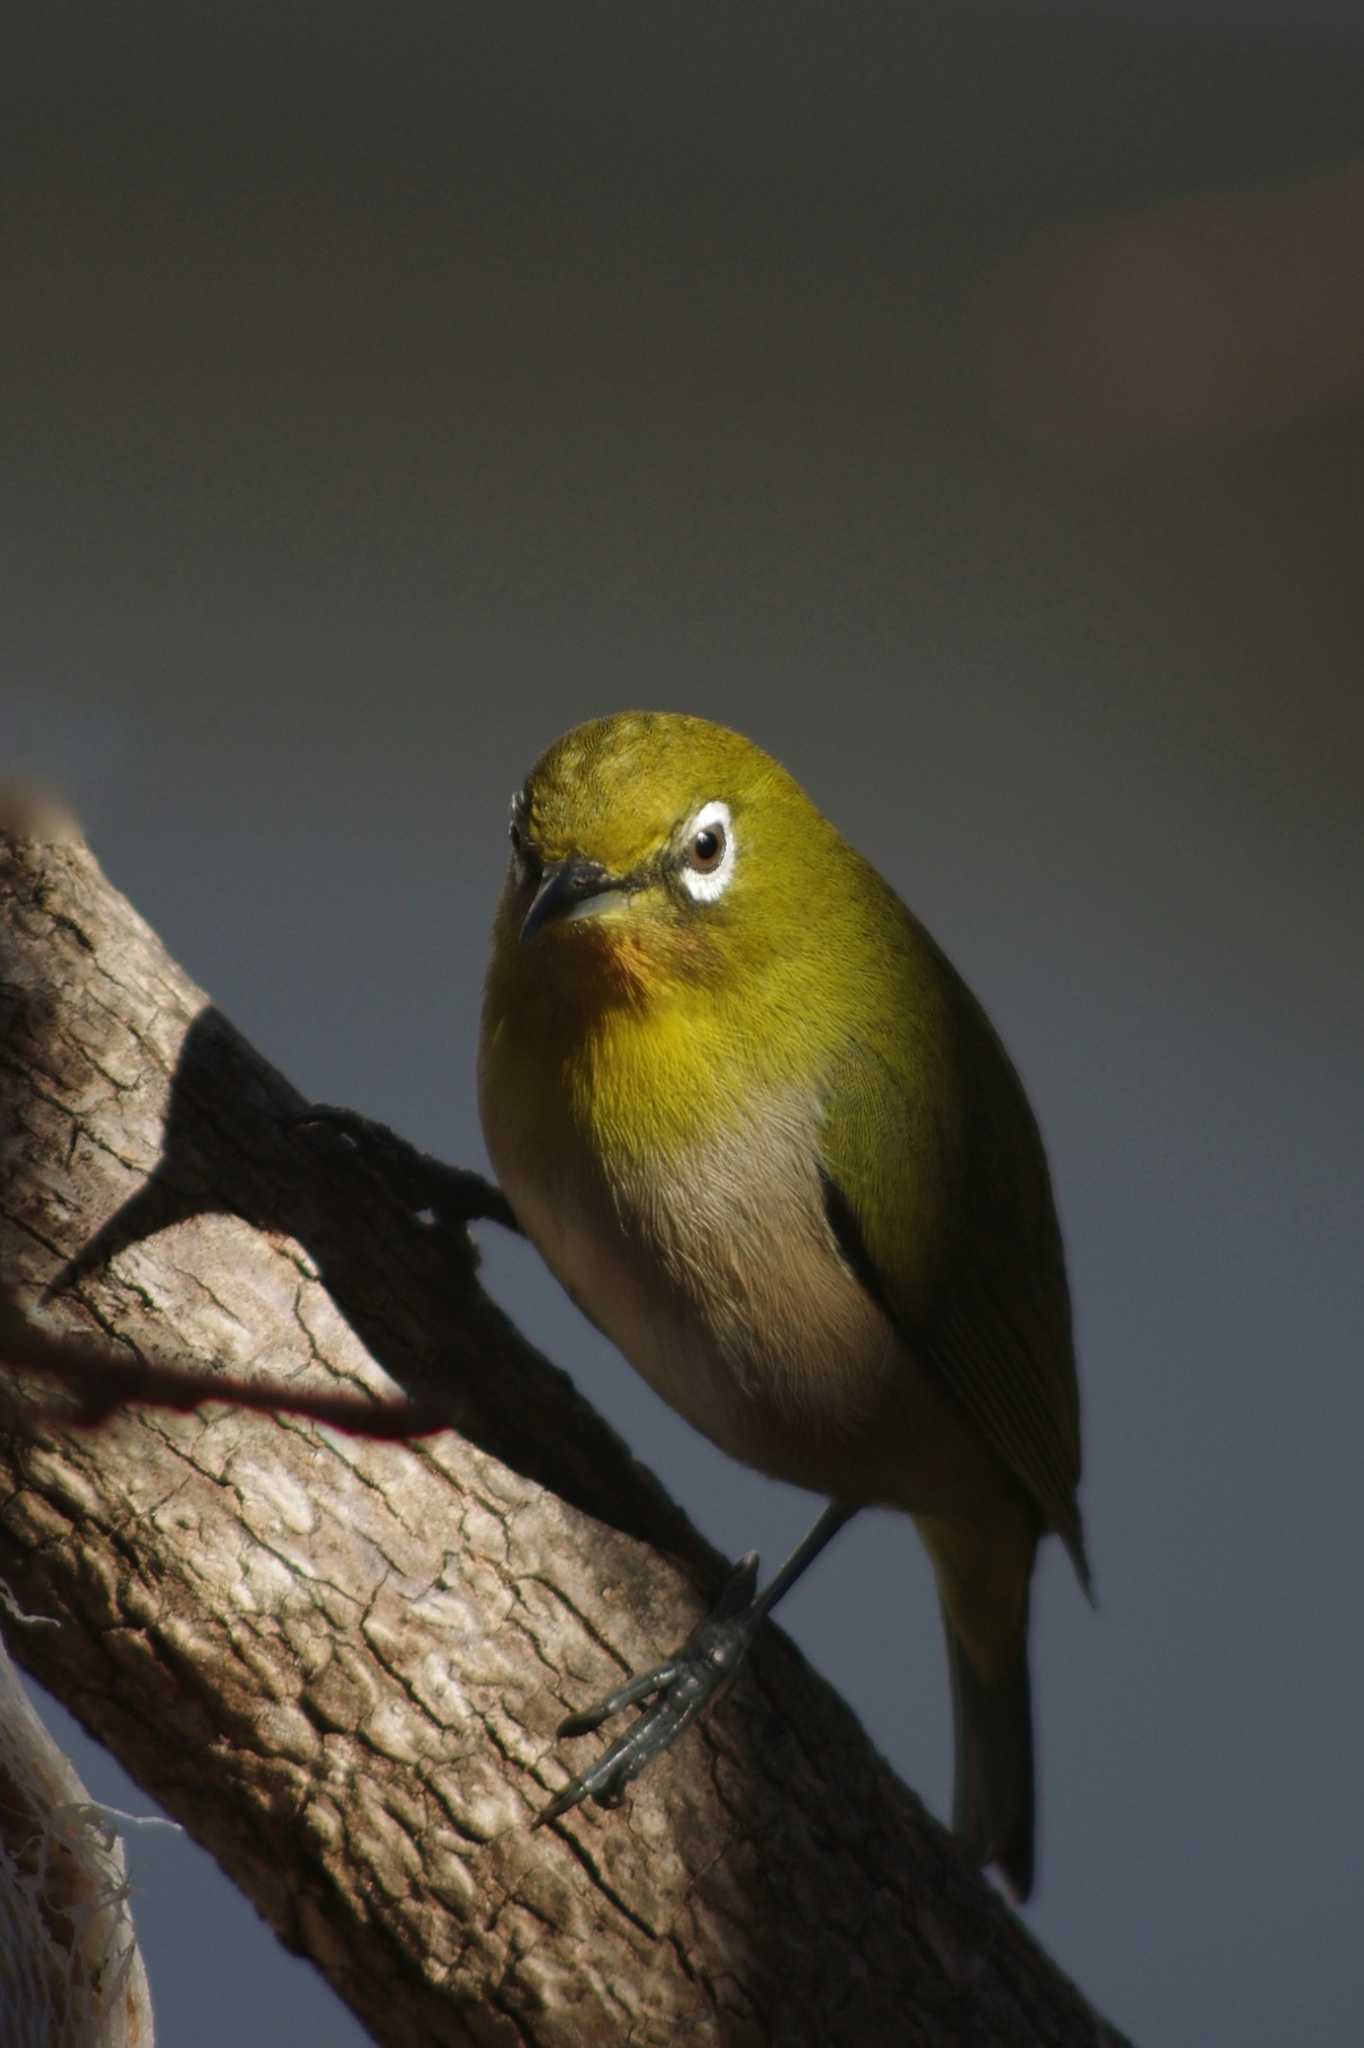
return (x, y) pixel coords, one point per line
(847, 1234)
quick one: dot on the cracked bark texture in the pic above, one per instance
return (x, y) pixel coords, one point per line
(340, 1663)
(71, 1973)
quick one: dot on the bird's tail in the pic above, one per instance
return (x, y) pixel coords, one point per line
(992, 1791)
(983, 1574)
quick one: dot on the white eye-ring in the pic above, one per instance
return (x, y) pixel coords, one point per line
(708, 852)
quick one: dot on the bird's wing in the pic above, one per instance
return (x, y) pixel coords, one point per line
(937, 1191)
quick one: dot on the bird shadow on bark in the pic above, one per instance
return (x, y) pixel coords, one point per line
(237, 1141)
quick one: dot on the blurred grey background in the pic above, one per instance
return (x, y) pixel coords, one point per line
(967, 403)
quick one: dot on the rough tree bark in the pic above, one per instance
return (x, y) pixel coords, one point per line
(71, 1973)
(340, 1663)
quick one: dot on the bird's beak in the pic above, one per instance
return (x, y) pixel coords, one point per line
(567, 891)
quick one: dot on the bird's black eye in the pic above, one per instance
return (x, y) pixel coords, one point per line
(707, 849)
(706, 862)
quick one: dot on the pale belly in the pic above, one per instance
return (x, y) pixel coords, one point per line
(735, 1305)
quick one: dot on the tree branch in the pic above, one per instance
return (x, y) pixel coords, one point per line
(341, 1661)
(71, 1973)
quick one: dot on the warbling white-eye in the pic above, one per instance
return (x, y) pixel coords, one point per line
(767, 1139)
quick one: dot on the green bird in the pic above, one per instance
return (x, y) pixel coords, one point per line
(766, 1138)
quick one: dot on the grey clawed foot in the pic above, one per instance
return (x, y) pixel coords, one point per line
(681, 1688)
(452, 1195)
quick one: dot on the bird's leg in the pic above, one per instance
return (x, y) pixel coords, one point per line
(451, 1195)
(683, 1686)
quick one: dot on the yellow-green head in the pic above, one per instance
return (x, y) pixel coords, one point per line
(653, 848)
(680, 928)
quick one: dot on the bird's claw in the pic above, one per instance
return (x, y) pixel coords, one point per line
(424, 1185)
(680, 1689)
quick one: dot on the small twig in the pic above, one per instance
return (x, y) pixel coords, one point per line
(101, 1384)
